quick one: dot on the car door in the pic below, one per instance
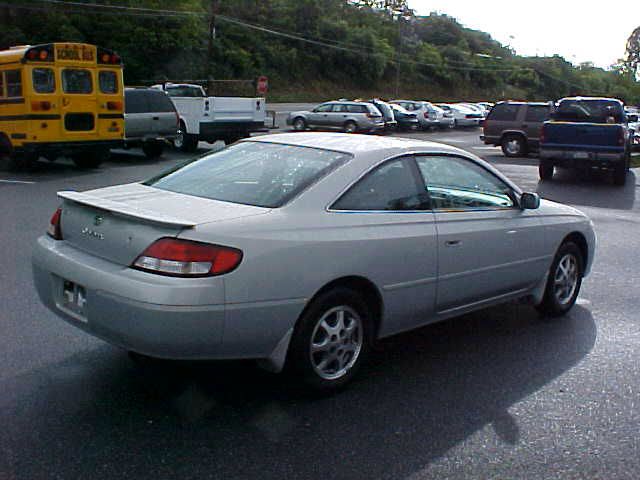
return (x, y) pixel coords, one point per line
(534, 117)
(163, 120)
(338, 115)
(386, 220)
(319, 116)
(487, 246)
(137, 119)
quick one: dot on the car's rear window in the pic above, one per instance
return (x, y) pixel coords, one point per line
(583, 110)
(504, 112)
(252, 173)
(159, 101)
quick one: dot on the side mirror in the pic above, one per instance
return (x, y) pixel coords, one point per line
(632, 118)
(529, 201)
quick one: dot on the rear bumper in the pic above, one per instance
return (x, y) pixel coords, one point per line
(576, 157)
(216, 130)
(68, 148)
(159, 316)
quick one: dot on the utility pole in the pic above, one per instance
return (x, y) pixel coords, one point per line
(214, 9)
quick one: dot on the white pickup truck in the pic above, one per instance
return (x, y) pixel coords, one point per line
(213, 118)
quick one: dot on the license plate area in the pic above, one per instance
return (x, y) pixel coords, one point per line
(74, 300)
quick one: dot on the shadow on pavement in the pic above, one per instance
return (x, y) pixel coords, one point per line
(98, 415)
(592, 188)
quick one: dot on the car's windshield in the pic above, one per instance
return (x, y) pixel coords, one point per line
(596, 111)
(252, 173)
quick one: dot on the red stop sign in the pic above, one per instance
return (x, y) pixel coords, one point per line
(262, 85)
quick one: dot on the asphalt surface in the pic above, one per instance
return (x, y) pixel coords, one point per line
(497, 394)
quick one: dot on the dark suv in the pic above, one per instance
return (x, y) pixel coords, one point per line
(515, 126)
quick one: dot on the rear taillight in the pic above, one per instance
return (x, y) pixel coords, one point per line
(621, 137)
(114, 105)
(185, 258)
(469, 115)
(54, 230)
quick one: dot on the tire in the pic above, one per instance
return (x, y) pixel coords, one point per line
(299, 124)
(92, 159)
(185, 142)
(350, 127)
(9, 163)
(560, 294)
(514, 146)
(620, 171)
(152, 150)
(337, 362)
(545, 170)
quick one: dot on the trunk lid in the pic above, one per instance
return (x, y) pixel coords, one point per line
(118, 223)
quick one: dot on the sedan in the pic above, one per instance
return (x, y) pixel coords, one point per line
(300, 250)
(463, 116)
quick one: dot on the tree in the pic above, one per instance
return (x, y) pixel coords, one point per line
(633, 52)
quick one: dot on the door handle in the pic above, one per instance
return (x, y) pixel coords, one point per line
(156, 118)
(453, 243)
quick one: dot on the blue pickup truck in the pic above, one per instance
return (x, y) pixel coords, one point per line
(584, 133)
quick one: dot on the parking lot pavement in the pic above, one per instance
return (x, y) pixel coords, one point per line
(496, 394)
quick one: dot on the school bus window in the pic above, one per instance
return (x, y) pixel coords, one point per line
(14, 83)
(108, 82)
(2, 84)
(76, 81)
(43, 80)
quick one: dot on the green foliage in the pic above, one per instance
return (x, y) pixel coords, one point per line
(436, 54)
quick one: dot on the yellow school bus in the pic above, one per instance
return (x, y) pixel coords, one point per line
(60, 99)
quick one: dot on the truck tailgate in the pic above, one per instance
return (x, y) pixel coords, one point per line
(583, 136)
(237, 109)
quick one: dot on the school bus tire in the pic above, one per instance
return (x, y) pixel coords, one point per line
(92, 159)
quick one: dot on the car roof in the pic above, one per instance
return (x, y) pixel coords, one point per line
(356, 144)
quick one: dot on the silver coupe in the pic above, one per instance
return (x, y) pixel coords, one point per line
(300, 250)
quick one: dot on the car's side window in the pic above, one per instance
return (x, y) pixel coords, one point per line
(391, 186)
(324, 108)
(339, 107)
(457, 183)
(537, 113)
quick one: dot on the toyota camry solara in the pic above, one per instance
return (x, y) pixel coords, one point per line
(299, 250)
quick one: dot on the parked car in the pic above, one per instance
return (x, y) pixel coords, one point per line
(390, 122)
(428, 115)
(209, 119)
(406, 120)
(634, 127)
(585, 133)
(474, 107)
(515, 126)
(462, 116)
(351, 117)
(150, 120)
(289, 249)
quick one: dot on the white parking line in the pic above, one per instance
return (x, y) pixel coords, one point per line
(17, 181)
(452, 140)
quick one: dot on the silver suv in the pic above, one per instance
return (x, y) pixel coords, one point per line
(350, 117)
(150, 120)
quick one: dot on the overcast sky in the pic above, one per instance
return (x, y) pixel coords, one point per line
(580, 31)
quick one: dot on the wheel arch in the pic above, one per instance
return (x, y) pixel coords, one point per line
(579, 239)
(5, 144)
(519, 133)
(361, 285)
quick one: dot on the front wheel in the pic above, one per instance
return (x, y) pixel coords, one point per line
(331, 340)
(299, 124)
(184, 141)
(563, 282)
(513, 146)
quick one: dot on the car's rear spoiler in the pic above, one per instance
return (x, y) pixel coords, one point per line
(125, 210)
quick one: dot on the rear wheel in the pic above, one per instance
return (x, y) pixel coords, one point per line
(185, 141)
(620, 171)
(8, 163)
(350, 127)
(563, 282)
(91, 159)
(152, 149)
(545, 170)
(514, 146)
(299, 124)
(331, 340)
